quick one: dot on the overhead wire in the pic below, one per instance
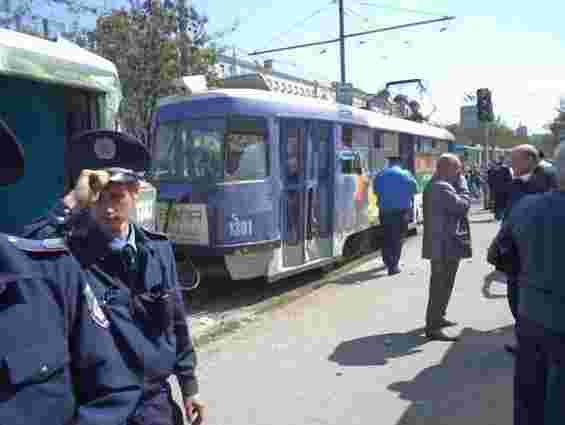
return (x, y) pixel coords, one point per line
(400, 9)
(296, 26)
(304, 71)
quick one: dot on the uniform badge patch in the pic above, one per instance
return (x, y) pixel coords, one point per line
(96, 312)
(105, 148)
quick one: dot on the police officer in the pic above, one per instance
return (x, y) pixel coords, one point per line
(136, 282)
(58, 361)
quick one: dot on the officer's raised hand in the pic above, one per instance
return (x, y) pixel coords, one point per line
(195, 410)
(87, 189)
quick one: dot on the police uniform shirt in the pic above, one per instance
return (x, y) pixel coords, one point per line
(58, 358)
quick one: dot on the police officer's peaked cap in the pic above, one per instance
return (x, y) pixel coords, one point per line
(98, 149)
(11, 156)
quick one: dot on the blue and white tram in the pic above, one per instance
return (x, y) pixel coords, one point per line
(269, 185)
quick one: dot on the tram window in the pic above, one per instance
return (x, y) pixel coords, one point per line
(246, 149)
(324, 140)
(378, 140)
(347, 136)
(189, 150)
(165, 150)
(294, 153)
(361, 136)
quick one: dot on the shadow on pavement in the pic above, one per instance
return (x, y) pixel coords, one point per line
(494, 276)
(375, 350)
(471, 385)
(360, 277)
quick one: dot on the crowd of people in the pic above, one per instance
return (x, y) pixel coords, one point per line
(93, 323)
(527, 198)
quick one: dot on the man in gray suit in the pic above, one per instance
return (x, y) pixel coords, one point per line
(446, 239)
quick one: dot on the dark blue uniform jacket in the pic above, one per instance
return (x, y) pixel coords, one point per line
(58, 362)
(146, 310)
(538, 229)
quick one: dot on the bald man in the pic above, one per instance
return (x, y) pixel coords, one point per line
(446, 239)
(530, 176)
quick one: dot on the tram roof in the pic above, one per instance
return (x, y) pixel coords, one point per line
(60, 62)
(247, 101)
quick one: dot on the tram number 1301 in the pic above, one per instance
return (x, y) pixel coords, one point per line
(240, 228)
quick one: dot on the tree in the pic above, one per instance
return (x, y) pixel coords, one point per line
(151, 45)
(22, 15)
(500, 134)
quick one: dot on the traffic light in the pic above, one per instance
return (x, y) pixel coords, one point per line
(484, 105)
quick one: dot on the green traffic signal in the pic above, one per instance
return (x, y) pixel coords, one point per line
(484, 106)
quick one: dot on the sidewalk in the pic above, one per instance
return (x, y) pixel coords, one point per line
(352, 352)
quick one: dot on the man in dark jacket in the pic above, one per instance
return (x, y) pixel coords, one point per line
(136, 281)
(529, 177)
(537, 227)
(499, 178)
(59, 363)
(446, 203)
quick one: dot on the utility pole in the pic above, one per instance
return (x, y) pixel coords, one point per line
(488, 153)
(342, 41)
(343, 36)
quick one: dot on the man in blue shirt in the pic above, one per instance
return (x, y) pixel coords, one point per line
(395, 188)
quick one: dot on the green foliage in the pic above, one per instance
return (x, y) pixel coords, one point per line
(500, 134)
(151, 45)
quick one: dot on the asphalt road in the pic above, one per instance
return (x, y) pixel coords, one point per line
(353, 352)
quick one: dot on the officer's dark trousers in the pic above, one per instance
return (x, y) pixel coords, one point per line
(394, 229)
(157, 407)
(539, 379)
(441, 286)
(512, 296)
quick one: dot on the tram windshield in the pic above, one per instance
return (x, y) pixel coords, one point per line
(211, 150)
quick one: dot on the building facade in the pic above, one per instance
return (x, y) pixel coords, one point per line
(240, 73)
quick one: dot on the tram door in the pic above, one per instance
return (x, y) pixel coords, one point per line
(407, 153)
(307, 188)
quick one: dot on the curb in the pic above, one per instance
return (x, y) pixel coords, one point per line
(246, 315)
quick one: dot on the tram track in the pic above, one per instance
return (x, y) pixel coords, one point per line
(219, 307)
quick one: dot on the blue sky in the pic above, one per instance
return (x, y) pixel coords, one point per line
(515, 48)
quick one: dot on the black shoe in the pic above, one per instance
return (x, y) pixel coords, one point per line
(447, 323)
(512, 349)
(392, 272)
(440, 336)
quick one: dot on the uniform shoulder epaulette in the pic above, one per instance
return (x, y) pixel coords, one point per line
(53, 245)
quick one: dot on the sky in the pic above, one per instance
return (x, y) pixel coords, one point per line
(515, 48)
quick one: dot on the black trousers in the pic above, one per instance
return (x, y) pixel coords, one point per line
(442, 281)
(539, 378)
(512, 296)
(394, 230)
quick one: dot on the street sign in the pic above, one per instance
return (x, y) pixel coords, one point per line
(344, 93)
